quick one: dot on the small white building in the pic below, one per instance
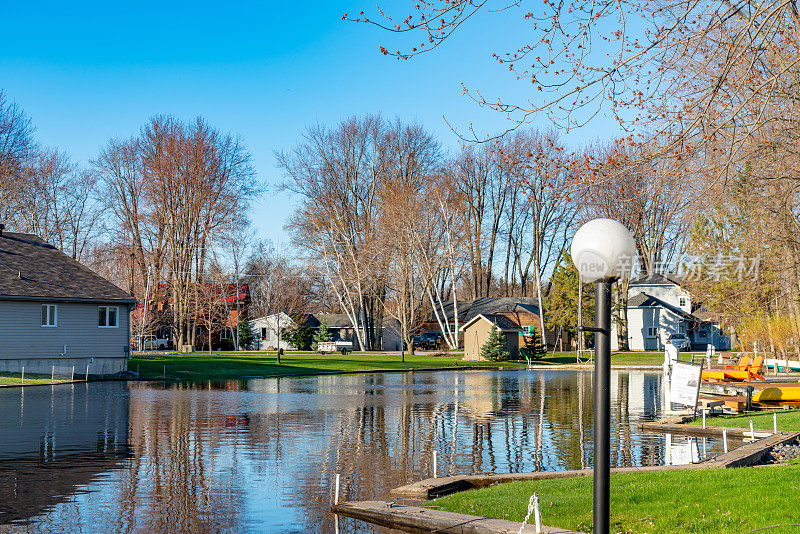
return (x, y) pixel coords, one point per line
(265, 331)
(659, 306)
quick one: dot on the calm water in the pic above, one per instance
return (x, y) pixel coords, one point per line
(260, 455)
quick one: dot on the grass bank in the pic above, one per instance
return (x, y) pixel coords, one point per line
(12, 379)
(681, 501)
(787, 420)
(617, 358)
(227, 365)
(249, 364)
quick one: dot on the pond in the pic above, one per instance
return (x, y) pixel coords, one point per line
(261, 455)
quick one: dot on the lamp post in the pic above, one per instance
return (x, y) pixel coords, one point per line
(602, 250)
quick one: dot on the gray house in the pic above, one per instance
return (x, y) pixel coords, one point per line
(55, 312)
(659, 306)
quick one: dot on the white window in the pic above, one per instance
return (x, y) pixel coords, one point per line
(108, 317)
(224, 333)
(683, 301)
(683, 328)
(49, 315)
(651, 331)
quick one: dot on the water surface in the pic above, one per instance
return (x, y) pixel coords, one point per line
(261, 455)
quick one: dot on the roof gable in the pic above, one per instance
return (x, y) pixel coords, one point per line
(31, 269)
(504, 324)
(643, 300)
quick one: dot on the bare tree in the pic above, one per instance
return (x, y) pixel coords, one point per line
(336, 172)
(276, 286)
(17, 145)
(408, 227)
(701, 77)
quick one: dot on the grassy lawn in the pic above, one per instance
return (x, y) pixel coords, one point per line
(223, 365)
(16, 378)
(617, 358)
(787, 420)
(247, 364)
(696, 501)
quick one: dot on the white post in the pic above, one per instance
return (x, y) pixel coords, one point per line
(537, 516)
(752, 432)
(725, 439)
(434, 464)
(336, 491)
(87, 373)
(704, 419)
(774, 422)
(53, 374)
(23, 375)
(72, 376)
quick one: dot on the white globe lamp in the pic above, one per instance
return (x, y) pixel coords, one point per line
(603, 249)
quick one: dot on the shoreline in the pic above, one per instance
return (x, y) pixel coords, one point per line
(540, 367)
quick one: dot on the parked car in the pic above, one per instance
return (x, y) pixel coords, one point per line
(427, 341)
(680, 340)
(151, 342)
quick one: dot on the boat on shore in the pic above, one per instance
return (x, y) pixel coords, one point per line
(782, 363)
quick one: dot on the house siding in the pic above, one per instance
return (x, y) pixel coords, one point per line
(26, 343)
(476, 336)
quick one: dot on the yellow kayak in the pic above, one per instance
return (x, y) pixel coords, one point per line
(777, 394)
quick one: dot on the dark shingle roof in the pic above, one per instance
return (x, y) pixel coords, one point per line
(31, 269)
(643, 300)
(653, 279)
(467, 310)
(335, 320)
(504, 324)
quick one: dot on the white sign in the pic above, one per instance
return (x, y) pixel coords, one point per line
(684, 384)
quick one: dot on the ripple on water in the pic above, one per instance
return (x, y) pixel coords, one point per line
(261, 454)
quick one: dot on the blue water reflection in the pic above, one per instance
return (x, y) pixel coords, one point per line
(260, 455)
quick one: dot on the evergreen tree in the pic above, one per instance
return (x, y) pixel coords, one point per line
(301, 335)
(562, 299)
(246, 336)
(534, 346)
(494, 349)
(322, 335)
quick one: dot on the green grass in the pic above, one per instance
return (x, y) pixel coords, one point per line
(680, 501)
(787, 420)
(248, 364)
(8, 379)
(617, 358)
(224, 365)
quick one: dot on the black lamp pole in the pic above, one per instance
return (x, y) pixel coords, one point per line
(602, 407)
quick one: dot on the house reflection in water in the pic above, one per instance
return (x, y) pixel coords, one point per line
(262, 454)
(54, 439)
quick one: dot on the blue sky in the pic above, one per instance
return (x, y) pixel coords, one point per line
(88, 71)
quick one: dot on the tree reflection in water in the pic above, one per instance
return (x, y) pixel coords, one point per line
(261, 454)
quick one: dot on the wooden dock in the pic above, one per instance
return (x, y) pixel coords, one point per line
(424, 520)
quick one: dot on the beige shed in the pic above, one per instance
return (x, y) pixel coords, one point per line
(476, 334)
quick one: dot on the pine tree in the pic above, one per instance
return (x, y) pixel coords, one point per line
(494, 349)
(534, 345)
(300, 336)
(246, 337)
(321, 335)
(562, 299)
